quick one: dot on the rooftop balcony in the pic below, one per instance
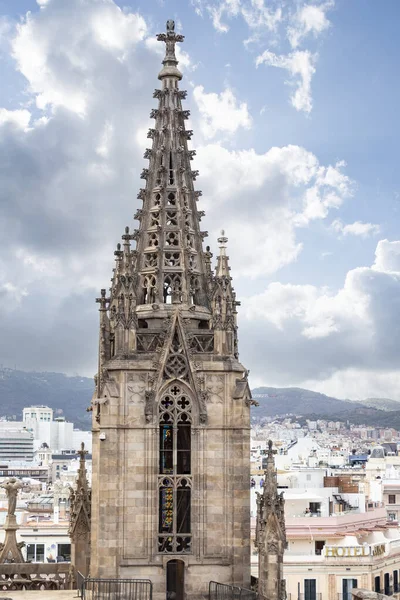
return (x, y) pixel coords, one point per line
(337, 524)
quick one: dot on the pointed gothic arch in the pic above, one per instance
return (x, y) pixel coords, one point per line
(175, 420)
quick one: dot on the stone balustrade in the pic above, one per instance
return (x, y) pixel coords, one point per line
(359, 594)
(35, 576)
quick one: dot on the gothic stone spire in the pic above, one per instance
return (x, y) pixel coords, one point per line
(168, 267)
(80, 517)
(270, 534)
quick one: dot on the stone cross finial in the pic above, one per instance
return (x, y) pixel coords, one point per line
(170, 38)
(103, 300)
(270, 452)
(82, 452)
(222, 240)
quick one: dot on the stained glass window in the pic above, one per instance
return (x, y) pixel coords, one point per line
(174, 471)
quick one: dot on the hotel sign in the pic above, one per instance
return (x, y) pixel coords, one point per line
(354, 551)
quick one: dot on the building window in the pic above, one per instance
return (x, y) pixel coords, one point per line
(347, 586)
(35, 552)
(392, 516)
(310, 588)
(175, 482)
(315, 508)
(392, 499)
(386, 579)
(63, 552)
(395, 581)
(319, 546)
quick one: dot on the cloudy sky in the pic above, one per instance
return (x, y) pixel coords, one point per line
(295, 111)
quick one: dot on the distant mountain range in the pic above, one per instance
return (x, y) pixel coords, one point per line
(70, 396)
(380, 412)
(67, 396)
(383, 403)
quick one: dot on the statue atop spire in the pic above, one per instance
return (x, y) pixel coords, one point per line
(170, 62)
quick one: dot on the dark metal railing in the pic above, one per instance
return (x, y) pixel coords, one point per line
(222, 591)
(80, 580)
(117, 589)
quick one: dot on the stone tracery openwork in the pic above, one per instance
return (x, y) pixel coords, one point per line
(174, 480)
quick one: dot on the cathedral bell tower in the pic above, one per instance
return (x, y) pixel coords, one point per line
(171, 410)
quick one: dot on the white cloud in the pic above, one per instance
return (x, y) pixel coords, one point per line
(357, 228)
(60, 70)
(256, 13)
(387, 256)
(220, 112)
(309, 19)
(19, 117)
(300, 65)
(358, 384)
(270, 22)
(69, 174)
(261, 199)
(316, 337)
(11, 295)
(37, 264)
(198, 7)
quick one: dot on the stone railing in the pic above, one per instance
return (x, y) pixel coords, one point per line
(35, 576)
(359, 594)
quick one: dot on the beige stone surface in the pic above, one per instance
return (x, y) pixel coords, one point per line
(359, 594)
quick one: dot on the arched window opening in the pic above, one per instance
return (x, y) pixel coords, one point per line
(171, 219)
(167, 293)
(172, 292)
(172, 259)
(175, 482)
(153, 240)
(171, 200)
(154, 219)
(112, 344)
(194, 289)
(149, 290)
(172, 239)
(150, 259)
